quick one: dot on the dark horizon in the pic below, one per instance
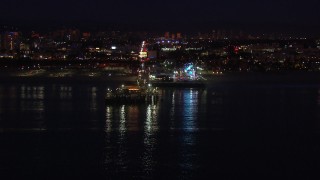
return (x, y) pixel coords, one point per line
(189, 28)
(185, 16)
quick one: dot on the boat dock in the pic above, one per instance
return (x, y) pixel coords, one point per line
(132, 94)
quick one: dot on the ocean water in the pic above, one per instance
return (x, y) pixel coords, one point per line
(225, 131)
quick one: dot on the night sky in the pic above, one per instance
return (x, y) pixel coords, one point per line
(245, 14)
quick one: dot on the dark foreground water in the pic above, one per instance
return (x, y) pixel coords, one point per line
(226, 131)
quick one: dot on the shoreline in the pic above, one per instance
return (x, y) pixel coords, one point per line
(227, 78)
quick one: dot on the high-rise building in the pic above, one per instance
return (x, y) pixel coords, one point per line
(179, 35)
(86, 36)
(74, 35)
(167, 35)
(214, 34)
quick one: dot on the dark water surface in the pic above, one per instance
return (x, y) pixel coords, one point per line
(226, 131)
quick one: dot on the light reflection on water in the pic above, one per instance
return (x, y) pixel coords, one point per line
(32, 101)
(93, 99)
(151, 124)
(122, 126)
(55, 106)
(33, 93)
(172, 111)
(176, 134)
(123, 121)
(190, 110)
(150, 141)
(109, 118)
(65, 92)
(122, 151)
(132, 116)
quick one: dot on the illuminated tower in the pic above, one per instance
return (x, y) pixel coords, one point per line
(10, 40)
